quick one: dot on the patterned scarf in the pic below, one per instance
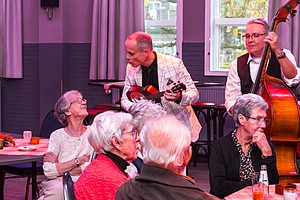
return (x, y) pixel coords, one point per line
(246, 168)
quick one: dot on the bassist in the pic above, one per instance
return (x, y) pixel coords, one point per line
(243, 70)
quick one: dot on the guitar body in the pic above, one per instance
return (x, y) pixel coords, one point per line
(150, 92)
(138, 92)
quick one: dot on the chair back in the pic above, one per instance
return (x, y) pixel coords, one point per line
(94, 155)
(68, 187)
(49, 124)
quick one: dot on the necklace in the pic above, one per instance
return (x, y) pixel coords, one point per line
(73, 134)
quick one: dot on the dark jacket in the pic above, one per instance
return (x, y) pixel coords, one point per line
(224, 167)
(159, 183)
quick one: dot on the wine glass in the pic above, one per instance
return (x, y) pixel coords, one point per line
(27, 136)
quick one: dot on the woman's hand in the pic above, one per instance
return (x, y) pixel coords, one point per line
(260, 139)
(50, 157)
(83, 159)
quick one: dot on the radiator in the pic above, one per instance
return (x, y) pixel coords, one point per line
(214, 94)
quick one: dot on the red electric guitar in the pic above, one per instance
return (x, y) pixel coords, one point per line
(150, 92)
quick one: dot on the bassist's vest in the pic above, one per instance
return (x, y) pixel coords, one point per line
(244, 71)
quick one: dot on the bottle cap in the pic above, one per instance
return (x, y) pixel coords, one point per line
(263, 167)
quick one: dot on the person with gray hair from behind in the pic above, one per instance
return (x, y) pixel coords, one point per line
(235, 157)
(143, 111)
(165, 146)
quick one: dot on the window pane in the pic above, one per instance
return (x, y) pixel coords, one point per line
(232, 45)
(227, 24)
(160, 23)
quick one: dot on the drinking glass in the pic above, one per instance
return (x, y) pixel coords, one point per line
(27, 136)
(290, 194)
(257, 187)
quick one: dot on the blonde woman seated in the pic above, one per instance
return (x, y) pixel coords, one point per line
(69, 149)
(115, 139)
(165, 146)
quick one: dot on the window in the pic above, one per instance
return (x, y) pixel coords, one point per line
(225, 25)
(161, 23)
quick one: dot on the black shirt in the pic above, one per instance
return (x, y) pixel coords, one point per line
(149, 74)
(120, 162)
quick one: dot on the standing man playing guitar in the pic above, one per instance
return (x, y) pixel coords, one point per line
(147, 67)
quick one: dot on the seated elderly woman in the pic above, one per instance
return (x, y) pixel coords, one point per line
(69, 148)
(165, 145)
(115, 139)
(236, 156)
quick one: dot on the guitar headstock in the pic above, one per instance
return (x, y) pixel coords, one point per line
(178, 87)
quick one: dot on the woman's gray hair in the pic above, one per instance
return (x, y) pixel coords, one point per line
(261, 21)
(144, 110)
(143, 40)
(63, 104)
(245, 104)
(164, 140)
(104, 126)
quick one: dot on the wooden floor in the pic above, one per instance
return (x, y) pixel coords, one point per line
(15, 188)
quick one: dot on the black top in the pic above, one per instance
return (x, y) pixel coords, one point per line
(149, 74)
(120, 162)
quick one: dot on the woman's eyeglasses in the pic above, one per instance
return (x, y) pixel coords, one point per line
(133, 132)
(259, 120)
(79, 100)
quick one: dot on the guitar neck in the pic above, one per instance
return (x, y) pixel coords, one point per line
(154, 96)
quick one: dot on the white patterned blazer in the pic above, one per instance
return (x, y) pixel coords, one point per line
(168, 69)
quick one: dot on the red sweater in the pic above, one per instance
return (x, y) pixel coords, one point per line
(100, 180)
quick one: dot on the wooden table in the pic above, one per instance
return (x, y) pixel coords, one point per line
(12, 155)
(108, 85)
(246, 194)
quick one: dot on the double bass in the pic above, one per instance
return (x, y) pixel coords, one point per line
(283, 109)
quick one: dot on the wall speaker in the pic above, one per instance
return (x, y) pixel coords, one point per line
(49, 3)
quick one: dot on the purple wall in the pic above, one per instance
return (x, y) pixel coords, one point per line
(193, 21)
(71, 22)
(56, 56)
